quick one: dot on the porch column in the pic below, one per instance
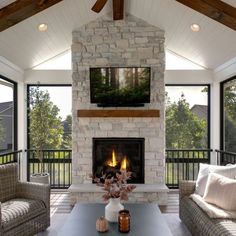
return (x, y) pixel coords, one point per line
(22, 128)
(215, 120)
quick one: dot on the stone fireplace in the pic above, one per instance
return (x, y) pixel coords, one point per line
(111, 155)
(128, 43)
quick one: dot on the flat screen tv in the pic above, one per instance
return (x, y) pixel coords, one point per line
(126, 86)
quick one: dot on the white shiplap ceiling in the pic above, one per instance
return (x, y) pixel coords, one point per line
(230, 2)
(211, 47)
(214, 45)
(4, 3)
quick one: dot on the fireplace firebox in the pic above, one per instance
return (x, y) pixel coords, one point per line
(111, 155)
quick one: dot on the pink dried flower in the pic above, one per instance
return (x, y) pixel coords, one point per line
(116, 187)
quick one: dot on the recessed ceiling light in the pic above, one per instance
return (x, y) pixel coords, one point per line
(42, 27)
(195, 27)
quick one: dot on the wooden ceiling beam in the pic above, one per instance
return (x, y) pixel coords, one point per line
(98, 6)
(215, 9)
(21, 10)
(118, 9)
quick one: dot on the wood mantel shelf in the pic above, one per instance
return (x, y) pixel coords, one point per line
(118, 113)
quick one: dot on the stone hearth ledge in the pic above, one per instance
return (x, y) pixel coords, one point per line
(143, 193)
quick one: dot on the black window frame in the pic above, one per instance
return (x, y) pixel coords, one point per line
(208, 107)
(15, 112)
(222, 138)
(28, 90)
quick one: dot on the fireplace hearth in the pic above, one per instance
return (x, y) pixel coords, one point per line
(111, 155)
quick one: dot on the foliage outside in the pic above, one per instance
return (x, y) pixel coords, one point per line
(230, 117)
(45, 126)
(67, 136)
(184, 129)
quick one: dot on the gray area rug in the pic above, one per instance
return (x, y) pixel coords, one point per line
(176, 226)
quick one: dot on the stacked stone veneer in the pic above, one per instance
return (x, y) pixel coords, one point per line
(127, 43)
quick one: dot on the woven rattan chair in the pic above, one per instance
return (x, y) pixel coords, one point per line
(196, 220)
(24, 207)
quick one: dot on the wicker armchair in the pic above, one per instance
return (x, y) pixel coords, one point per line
(197, 221)
(24, 207)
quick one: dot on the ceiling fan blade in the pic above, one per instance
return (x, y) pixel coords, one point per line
(118, 9)
(97, 7)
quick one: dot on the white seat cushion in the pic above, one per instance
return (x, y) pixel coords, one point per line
(212, 210)
(19, 210)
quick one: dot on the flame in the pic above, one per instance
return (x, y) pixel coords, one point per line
(113, 161)
(124, 163)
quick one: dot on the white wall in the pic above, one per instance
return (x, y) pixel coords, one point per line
(188, 77)
(22, 127)
(215, 119)
(225, 71)
(10, 71)
(48, 77)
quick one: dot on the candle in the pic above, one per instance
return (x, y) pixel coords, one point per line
(124, 221)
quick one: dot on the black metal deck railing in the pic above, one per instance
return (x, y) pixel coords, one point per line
(184, 164)
(180, 164)
(56, 162)
(224, 157)
(10, 157)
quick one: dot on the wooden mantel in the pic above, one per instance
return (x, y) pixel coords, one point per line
(118, 113)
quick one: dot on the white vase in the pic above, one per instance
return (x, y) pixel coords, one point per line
(112, 209)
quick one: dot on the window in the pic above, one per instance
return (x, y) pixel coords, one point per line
(187, 116)
(53, 103)
(228, 115)
(8, 115)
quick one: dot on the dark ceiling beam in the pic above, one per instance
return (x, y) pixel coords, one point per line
(21, 10)
(98, 6)
(215, 9)
(118, 9)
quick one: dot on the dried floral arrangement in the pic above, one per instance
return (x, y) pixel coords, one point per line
(116, 186)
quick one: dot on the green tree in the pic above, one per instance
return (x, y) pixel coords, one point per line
(45, 126)
(230, 135)
(67, 136)
(183, 128)
(230, 117)
(230, 102)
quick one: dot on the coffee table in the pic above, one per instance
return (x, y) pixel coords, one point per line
(146, 220)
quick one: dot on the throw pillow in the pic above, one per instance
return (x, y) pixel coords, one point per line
(220, 191)
(205, 169)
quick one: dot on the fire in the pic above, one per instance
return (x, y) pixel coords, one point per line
(124, 163)
(113, 161)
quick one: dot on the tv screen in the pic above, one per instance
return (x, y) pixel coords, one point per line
(120, 86)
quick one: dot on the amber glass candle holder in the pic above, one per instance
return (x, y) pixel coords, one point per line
(124, 221)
